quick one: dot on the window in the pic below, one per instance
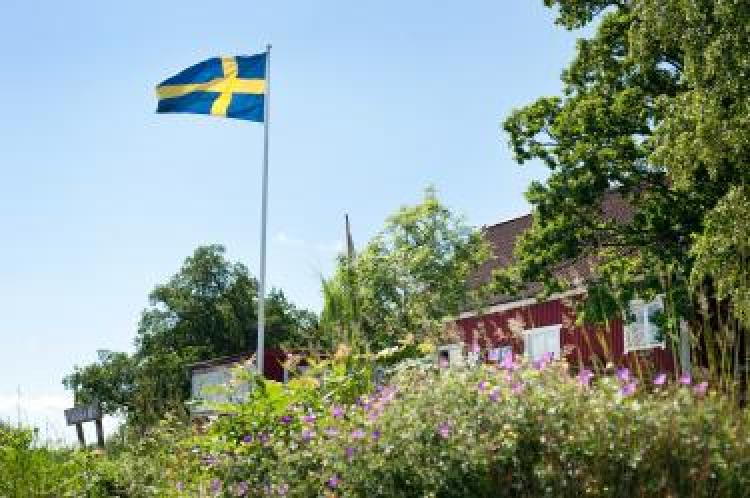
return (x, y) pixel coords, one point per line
(542, 340)
(450, 355)
(640, 330)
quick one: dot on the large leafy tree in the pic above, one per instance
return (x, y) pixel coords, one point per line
(206, 310)
(654, 109)
(409, 278)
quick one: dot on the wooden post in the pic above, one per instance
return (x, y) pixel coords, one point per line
(99, 433)
(81, 438)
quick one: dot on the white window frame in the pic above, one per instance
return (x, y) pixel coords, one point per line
(650, 329)
(455, 354)
(530, 333)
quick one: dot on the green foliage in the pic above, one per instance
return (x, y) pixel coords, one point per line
(31, 469)
(409, 277)
(207, 310)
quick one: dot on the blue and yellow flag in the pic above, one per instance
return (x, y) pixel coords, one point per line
(232, 87)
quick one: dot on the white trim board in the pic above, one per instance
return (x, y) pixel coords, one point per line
(499, 308)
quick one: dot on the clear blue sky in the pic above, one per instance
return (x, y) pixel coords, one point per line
(101, 198)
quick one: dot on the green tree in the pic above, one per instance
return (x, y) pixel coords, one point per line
(408, 278)
(654, 109)
(206, 310)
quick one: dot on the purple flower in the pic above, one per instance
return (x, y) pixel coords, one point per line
(482, 386)
(444, 429)
(209, 460)
(240, 489)
(686, 379)
(307, 435)
(495, 395)
(541, 363)
(282, 489)
(508, 362)
(517, 388)
(247, 438)
(331, 431)
(215, 486)
(585, 376)
(349, 453)
(286, 419)
(180, 486)
(700, 389)
(309, 418)
(337, 411)
(376, 434)
(623, 374)
(660, 379)
(358, 434)
(628, 389)
(264, 438)
(333, 482)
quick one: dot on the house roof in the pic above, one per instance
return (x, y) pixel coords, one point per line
(502, 238)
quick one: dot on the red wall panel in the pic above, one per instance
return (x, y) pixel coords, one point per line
(587, 345)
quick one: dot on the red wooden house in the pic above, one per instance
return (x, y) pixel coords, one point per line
(533, 327)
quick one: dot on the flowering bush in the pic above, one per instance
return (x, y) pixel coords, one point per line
(504, 430)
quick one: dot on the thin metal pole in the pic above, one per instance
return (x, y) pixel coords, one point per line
(260, 351)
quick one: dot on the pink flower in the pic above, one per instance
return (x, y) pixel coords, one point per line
(508, 362)
(309, 418)
(686, 379)
(517, 388)
(541, 363)
(350, 453)
(623, 374)
(700, 389)
(660, 379)
(444, 429)
(585, 376)
(333, 482)
(215, 486)
(475, 348)
(628, 389)
(240, 489)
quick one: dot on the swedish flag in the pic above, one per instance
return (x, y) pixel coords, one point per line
(232, 87)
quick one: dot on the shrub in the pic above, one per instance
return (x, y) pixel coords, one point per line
(506, 430)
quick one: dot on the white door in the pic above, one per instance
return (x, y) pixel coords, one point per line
(542, 340)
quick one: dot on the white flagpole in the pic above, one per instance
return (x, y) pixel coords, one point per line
(260, 351)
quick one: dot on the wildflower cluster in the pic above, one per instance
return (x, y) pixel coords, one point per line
(510, 429)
